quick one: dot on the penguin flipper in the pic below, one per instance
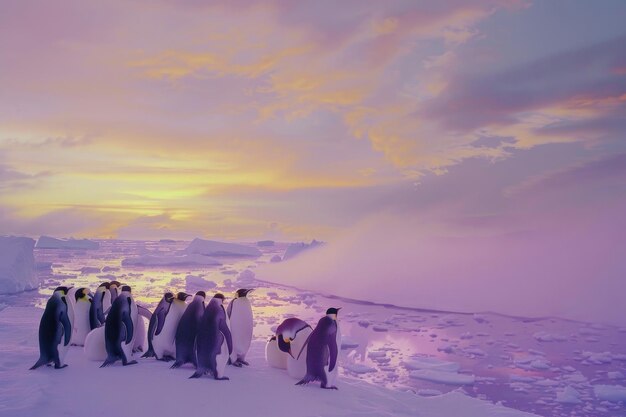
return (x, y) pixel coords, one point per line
(144, 312)
(67, 328)
(129, 326)
(304, 345)
(333, 350)
(226, 332)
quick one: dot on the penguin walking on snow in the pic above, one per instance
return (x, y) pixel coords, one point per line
(322, 348)
(188, 330)
(55, 331)
(214, 343)
(164, 342)
(241, 326)
(157, 321)
(119, 329)
(81, 326)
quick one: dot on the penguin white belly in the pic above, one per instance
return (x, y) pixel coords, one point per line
(296, 368)
(128, 347)
(106, 302)
(95, 347)
(222, 359)
(241, 327)
(62, 348)
(334, 374)
(165, 342)
(274, 356)
(141, 343)
(81, 327)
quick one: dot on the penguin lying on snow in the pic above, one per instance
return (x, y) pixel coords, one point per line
(322, 348)
(157, 320)
(241, 326)
(119, 329)
(188, 330)
(55, 331)
(214, 342)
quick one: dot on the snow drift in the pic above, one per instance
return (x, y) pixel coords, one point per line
(47, 242)
(18, 270)
(294, 249)
(568, 268)
(214, 248)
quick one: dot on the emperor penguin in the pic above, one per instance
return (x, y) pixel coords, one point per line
(96, 310)
(291, 335)
(119, 329)
(55, 331)
(241, 326)
(164, 342)
(187, 331)
(157, 320)
(322, 348)
(113, 286)
(214, 343)
(81, 326)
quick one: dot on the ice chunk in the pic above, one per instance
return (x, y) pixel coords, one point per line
(265, 243)
(359, 368)
(17, 265)
(276, 258)
(443, 377)
(613, 393)
(185, 260)
(198, 282)
(89, 270)
(295, 249)
(215, 248)
(431, 363)
(47, 242)
(568, 396)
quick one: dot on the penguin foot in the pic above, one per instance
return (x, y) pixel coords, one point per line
(331, 387)
(196, 374)
(176, 364)
(60, 367)
(237, 364)
(130, 363)
(148, 354)
(243, 362)
(222, 378)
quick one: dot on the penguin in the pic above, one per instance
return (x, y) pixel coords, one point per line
(187, 331)
(214, 343)
(71, 303)
(140, 341)
(119, 329)
(164, 342)
(81, 326)
(274, 356)
(96, 310)
(129, 348)
(55, 331)
(113, 286)
(287, 331)
(241, 326)
(322, 349)
(157, 320)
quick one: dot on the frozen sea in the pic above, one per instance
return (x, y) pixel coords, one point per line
(548, 366)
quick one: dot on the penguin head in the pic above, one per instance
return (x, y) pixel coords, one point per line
(115, 284)
(81, 293)
(220, 297)
(104, 285)
(169, 297)
(201, 294)
(332, 312)
(182, 296)
(284, 344)
(126, 288)
(242, 292)
(61, 291)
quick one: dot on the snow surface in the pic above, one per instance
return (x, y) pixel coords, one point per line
(150, 388)
(612, 393)
(215, 248)
(152, 260)
(17, 265)
(47, 242)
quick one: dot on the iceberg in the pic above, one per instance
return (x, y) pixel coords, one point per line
(215, 248)
(295, 249)
(47, 242)
(18, 270)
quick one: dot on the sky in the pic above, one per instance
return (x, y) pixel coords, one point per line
(298, 120)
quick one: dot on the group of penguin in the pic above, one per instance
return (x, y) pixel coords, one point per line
(209, 336)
